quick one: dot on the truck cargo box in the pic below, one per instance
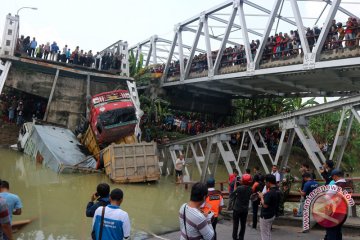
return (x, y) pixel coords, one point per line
(129, 163)
(89, 141)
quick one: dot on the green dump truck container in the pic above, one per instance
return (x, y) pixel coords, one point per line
(129, 163)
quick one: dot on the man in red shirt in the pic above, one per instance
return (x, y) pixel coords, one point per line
(232, 180)
(349, 32)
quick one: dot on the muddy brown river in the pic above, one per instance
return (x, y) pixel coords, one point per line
(56, 203)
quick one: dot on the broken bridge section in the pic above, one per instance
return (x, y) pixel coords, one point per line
(68, 89)
(204, 152)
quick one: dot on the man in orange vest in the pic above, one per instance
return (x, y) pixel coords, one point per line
(213, 202)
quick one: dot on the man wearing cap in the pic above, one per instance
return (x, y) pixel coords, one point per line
(111, 222)
(241, 197)
(326, 171)
(335, 233)
(214, 202)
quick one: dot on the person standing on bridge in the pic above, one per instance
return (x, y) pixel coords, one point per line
(53, 52)
(33, 45)
(46, 50)
(179, 165)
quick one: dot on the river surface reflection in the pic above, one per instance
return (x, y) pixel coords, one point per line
(56, 203)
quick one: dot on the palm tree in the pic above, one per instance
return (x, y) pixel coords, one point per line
(292, 104)
(134, 66)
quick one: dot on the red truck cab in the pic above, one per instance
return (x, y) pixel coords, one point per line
(112, 116)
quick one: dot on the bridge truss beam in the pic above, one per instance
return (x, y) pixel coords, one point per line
(290, 125)
(233, 16)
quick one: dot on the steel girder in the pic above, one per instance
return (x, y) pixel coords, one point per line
(237, 10)
(292, 124)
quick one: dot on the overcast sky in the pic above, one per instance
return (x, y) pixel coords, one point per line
(95, 24)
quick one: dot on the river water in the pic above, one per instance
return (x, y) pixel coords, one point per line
(57, 203)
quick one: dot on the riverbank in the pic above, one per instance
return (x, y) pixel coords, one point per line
(279, 232)
(9, 133)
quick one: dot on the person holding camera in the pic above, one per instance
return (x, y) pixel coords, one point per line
(111, 222)
(98, 199)
(241, 198)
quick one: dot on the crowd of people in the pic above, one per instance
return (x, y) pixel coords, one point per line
(278, 46)
(15, 109)
(189, 126)
(30, 47)
(198, 217)
(10, 204)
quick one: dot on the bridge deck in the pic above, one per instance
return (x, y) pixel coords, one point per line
(67, 70)
(330, 77)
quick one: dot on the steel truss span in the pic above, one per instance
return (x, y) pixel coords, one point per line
(315, 70)
(203, 152)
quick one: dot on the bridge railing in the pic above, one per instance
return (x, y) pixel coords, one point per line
(231, 62)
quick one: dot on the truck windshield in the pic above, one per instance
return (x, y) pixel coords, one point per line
(117, 116)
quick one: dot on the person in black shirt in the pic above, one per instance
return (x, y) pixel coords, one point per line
(335, 233)
(270, 204)
(258, 186)
(241, 198)
(326, 171)
(100, 198)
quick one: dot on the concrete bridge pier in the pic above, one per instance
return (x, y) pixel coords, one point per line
(67, 87)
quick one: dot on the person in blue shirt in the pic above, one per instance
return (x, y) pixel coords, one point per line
(111, 222)
(33, 45)
(309, 186)
(13, 201)
(53, 51)
(68, 54)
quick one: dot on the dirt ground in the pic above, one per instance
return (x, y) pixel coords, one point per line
(8, 133)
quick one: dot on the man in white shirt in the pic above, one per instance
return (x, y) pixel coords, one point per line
(179, 165)
(275, 172)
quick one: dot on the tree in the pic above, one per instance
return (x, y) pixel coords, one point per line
(291, 104)
(134, 66)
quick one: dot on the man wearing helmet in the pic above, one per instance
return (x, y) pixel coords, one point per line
(214, 203)
(241, 197)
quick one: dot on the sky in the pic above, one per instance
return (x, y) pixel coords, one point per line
(94, 25)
